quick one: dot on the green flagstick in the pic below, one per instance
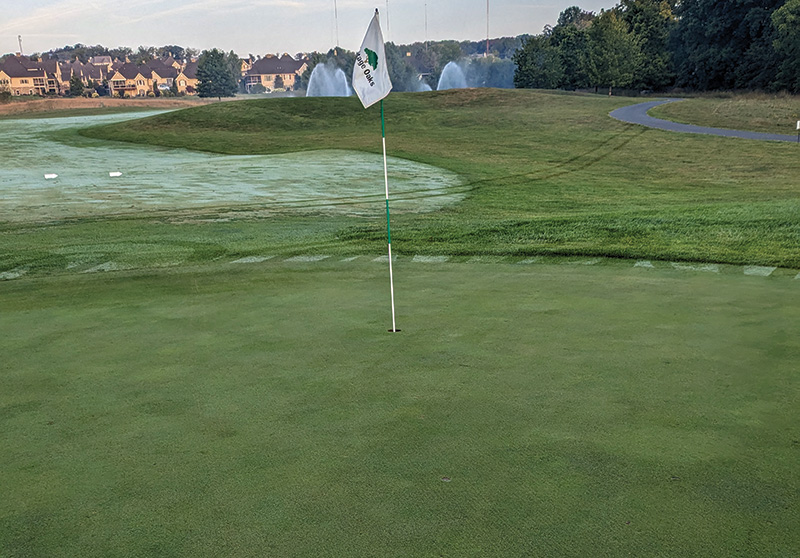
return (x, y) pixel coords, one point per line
(388, 221)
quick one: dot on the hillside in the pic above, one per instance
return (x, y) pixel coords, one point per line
(548, 173)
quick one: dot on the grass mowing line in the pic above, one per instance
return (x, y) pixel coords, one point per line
(112, 266)
(251, 411)
(616, 190)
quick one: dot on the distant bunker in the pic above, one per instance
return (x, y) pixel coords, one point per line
(96, 178)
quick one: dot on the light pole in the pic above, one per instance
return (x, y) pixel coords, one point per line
(487, 29)
(336, 21)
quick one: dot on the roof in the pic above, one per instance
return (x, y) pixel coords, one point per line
(274, 65)
(155, 63)
(130, 70)
(18, 67)
(190, 71)
(100, 60)
(164, 72)
(50, 66)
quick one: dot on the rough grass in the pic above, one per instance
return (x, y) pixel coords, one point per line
(522, 411)
(776, 114)
(549, 173)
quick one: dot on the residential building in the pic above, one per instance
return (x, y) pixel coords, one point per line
(130, 80)
(187, 79)
(274, 72)
(23, 77)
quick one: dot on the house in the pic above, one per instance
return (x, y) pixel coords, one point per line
(130, 80)
(21, 76)
(89, 74)
(170, 61)
(102, 61)
(187, 79)
(162, 74)
(274, 72)
(52, 70)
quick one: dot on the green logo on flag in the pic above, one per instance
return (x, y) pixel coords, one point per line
(372, 58)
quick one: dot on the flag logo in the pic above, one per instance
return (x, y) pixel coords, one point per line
(372, 58)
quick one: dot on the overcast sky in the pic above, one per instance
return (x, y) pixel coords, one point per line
(265, 26)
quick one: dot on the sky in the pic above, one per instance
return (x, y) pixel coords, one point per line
(266, 26)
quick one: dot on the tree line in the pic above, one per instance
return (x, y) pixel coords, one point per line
(418, 66)
(139, 56)
(655, 45)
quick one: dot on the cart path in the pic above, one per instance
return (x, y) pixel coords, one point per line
(637, 114)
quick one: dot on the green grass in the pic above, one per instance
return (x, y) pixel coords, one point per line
(774, 114)
(191, 407)
(549, 174)
(265, 411)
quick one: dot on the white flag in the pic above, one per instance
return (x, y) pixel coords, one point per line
(371, 74)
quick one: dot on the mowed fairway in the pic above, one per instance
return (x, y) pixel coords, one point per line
(263, 410)
(598, 356)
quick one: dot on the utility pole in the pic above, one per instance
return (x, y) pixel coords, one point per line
(388, 34)
(426, 27)
(336, 18)
(487, 30)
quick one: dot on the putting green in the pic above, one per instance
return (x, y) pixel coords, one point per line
(147, 179)
(263, 409)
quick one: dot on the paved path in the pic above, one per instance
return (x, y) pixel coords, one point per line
(637, 114)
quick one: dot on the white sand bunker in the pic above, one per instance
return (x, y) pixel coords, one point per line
(97, 178)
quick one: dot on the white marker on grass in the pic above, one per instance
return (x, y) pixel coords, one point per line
(114, 174)
(50, 176)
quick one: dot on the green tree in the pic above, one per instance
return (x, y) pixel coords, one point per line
(143, 54)
(614, 51)
(786, 22)
(177, 52)
(490, 71)
(651, 21)
(214, 75)
(235, 64)
(120, 53)
(449, 51)
(401, 71)
(575, 17)
(75, 86)
(573, 44)
(336, 57)
(538, 64)
(725, 45)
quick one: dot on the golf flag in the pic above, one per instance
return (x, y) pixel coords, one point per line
(370, 73)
